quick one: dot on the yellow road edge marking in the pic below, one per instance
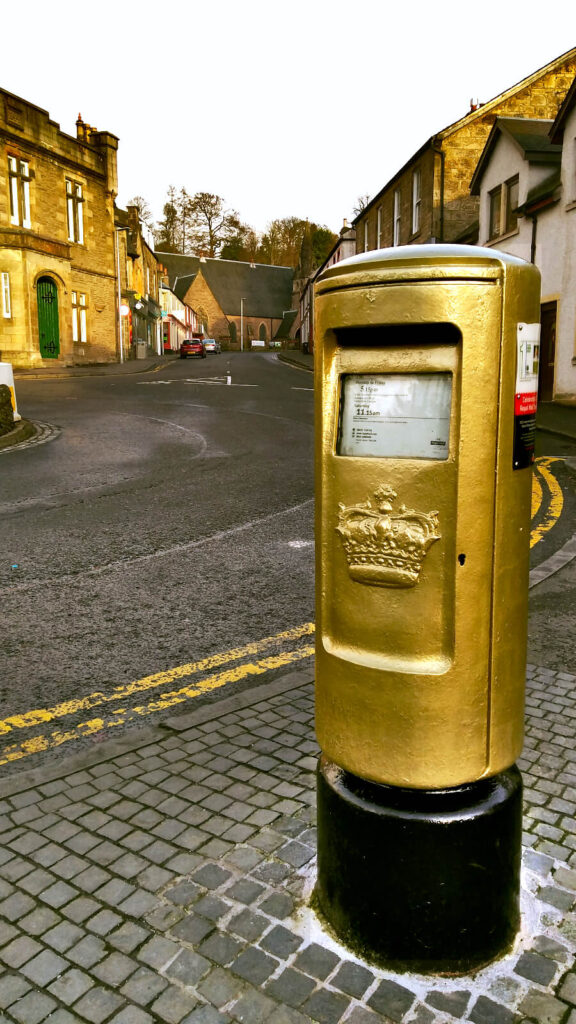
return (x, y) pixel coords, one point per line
(556, 505)
(55, 739)
(41, 716)
(537, 494)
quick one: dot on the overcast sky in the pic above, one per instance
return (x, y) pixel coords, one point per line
(283, 109)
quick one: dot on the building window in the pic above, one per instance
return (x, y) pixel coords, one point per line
(19, 178)
(416, 200)
(6, 304)
(396, 236)
(511, 191)
(74, 202)
(503, 208)
(79, 306)
(495, 200)
(365, 236)
(379, 229)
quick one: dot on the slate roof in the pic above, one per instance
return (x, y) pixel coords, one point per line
(530, 135)
(266, 290)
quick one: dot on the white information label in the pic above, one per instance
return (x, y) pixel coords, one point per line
(404, 415)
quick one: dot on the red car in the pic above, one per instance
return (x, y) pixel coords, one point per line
(192, 347)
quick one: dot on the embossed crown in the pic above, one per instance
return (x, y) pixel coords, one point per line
(383, 548)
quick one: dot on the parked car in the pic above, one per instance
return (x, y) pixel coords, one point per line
(211, 345)
(192, 347)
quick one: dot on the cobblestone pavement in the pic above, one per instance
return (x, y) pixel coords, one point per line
(166, 877)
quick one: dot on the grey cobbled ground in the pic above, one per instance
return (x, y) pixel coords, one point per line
(166, 877)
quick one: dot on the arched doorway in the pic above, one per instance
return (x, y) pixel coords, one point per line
(262, 333)
(48, 320)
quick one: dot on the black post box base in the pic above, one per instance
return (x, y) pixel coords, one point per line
(420, 880)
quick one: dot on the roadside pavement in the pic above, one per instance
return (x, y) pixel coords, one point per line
(166, 876)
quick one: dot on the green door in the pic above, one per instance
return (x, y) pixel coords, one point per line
(48, 327)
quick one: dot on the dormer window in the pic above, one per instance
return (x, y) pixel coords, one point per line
(503, 209)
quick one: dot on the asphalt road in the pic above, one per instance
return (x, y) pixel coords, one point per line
(171, 520)
(159, 548)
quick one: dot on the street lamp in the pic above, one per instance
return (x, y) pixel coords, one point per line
(242, 300)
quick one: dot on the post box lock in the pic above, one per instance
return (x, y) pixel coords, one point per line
(383, 548)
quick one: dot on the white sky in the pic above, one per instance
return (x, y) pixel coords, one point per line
(283, 109)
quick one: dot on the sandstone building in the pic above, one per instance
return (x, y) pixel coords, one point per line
(428, 199)
(58, 262)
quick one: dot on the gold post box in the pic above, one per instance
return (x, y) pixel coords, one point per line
(426, 364)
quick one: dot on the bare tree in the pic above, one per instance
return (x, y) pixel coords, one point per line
(361, 203)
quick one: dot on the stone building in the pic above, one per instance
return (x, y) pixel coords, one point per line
(243, 305)
(57, 251)
(140, 277)
(428, 199)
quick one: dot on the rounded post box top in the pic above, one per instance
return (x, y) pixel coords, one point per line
(418, 262)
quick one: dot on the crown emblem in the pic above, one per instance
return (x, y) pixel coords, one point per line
(383, 548)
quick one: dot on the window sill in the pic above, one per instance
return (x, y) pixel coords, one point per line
(502, 238)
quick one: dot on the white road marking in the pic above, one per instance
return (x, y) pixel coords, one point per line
(302, 389)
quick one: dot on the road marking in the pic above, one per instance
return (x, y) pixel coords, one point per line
(166, 700)
(556, 498)
(302, 389)
(219, 383)
(42, 715)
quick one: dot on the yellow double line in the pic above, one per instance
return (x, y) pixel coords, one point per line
(555, 498)
(120, 715)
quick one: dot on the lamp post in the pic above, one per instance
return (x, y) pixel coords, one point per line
(242, 323)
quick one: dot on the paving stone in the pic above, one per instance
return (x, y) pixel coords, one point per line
(291, 987)
(353, 979)
(17, 905)
(70, 986)
(128, 937)
(89, 951)
(361, 1016)
(248, 925)
(279, 905)
(63, 936)
(326, 1007)
(550, 947)
(557, 897)
(12, 987)
(33, 1008)
(567, 989)
(132, 1015)
(207, 1015)
(143, 986)
(193, 928)
(287, 1015)
(115, 969)
(543, 1007)
(159, 952)
(253, 1007)
(20, 951)
(187, 968)
(173, 1005)
(220, 948)
(138, 904)
(295, 854)
(39, 921)
(254, 966)
(486, 1011)
(244, 891)
(536, 968)
(393, 1000)
(566, 877)
(44, 968)
(281, 942)
(164, 918)
(221, 987)
(183, 894)
(211, 907)
(104, 922)
(454, 1003)
(81, 909)
(317, 961)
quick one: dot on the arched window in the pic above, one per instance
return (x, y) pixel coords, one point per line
(262, 333)
(233, 332)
